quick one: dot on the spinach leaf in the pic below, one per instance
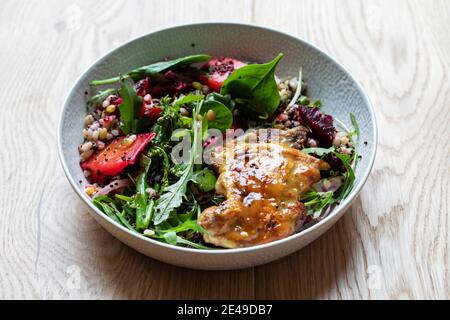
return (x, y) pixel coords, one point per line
(130, 107)
(204, 179)
(254, 87)
(154, 68)
(224, 99)
(223, 118)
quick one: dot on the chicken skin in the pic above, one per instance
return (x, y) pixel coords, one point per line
(262, 183)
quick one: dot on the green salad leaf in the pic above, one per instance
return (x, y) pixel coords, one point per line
(224, 99)
(205, 180)
(172, 196)
(100, 96)
(154, 68)
(223, 118)
(318, 151)
(130, 107)
(107, 205)
(255, 88)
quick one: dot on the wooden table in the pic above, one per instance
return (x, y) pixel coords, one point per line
(393, 243)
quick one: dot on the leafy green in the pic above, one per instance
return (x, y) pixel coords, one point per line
(254, 87)
(100, 96)
(205, 180)
(170, 237)
(154, 68)
(187, 99)
(167, 123)
(318, 151)
(315, 202)
(130, 107)
(144, 207)
(356, 131)
(349, 177)
(224, 99)
(106, 204)
(298, 91)
(172, 196)
(223, 116)
(189, 224)
(144, 204)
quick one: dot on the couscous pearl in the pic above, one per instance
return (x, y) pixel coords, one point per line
(105, 103)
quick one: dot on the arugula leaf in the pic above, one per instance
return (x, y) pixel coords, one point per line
(349, 175)
(318, 151)
(298, 91)
(130, 107)
(204, 179)
(356, 131)
(255, 87)
(187, 99)
(181, 240)
(319, 201)
(172, 196)
(154, 68)
(187, 225)
(100, 96)
(106, 204)
(143, 209)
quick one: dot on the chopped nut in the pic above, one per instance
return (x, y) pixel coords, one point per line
(211, 115)
(106, 103)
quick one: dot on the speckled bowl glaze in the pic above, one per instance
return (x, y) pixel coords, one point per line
(327, 80)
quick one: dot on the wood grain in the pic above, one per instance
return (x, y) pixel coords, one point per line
(393, 243)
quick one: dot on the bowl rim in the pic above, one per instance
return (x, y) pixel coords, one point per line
(336, 211)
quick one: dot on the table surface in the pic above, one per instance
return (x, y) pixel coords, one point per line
(394, 241)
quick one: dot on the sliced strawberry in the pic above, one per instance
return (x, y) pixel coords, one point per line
(116, 156)
(218, 70)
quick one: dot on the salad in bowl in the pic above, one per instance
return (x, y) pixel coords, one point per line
(214, 152)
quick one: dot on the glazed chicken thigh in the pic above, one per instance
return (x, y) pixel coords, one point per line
(262, 183)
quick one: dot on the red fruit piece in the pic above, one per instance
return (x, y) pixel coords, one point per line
(218, 70)
(141, 86)
(115, 157)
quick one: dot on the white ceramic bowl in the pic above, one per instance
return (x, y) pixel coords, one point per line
(327, 80)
